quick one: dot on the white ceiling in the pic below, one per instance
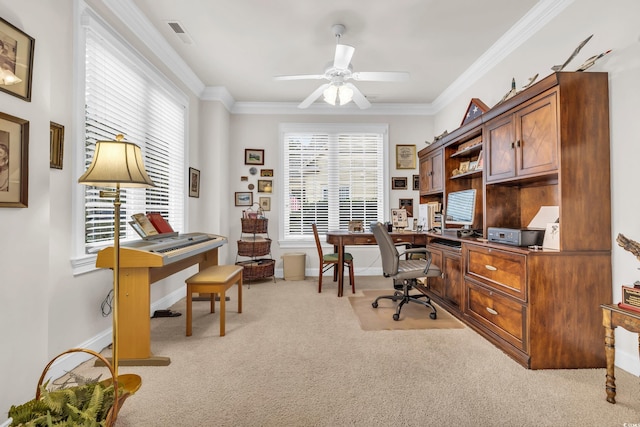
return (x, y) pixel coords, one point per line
(242, 44)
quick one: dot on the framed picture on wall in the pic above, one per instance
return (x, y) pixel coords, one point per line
(399, 183)
(407, 204)
(16, 61)
(253, 157)
(265, 203)
(265, 186)
(244, 198)
(405, 156)
(14, 161)
(194, 182)
(416, 182)
(56, 145)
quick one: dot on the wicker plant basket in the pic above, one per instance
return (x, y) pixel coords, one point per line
(257, 269)
(124, 385)
(255, 247)
(254, 225)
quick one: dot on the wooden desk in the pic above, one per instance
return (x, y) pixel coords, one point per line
(612, 317)
(340, 239)
(138, 270)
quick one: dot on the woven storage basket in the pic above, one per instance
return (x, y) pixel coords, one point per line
(254, 225)
(129, 383)
(254, 247)
(257, 269)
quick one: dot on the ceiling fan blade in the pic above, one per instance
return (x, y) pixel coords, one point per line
(380, 76)
(314, 95)
(358, 97)
(343, 56)
(301, 77)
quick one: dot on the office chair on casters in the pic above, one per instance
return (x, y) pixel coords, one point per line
(403, 272)
(331, 260)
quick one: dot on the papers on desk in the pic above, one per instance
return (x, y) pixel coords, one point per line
(547, 219)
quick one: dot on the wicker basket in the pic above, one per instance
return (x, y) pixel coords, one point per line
(254, 225)
(256, 247)
(257, 269)
(128, 383)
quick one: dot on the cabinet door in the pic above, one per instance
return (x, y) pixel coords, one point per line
(431, 168)
(500, 155)
(436, 284)
(537, 137)
(453, 282)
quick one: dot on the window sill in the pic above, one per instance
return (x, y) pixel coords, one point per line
(82, 265)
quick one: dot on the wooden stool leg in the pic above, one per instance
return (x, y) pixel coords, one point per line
(189, 300)
(213, 303)
(223, 310)
(240, 294)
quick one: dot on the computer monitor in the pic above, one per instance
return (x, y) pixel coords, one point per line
(461, 208)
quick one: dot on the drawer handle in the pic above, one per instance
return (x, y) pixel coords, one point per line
(490, 267)
(492, 311)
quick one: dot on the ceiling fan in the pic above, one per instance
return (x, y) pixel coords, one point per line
(339, 90)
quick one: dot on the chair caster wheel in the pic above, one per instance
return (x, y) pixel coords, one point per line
(396, 316)
(433, 316)
(374, 304)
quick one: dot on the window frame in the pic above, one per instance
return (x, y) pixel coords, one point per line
(83, 261)
(307, 240)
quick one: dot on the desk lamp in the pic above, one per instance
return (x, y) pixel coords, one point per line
(116, 164)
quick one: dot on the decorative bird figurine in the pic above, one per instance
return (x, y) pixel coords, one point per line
(573, 55)
(589, 62)
(629, 245)
(511, 93)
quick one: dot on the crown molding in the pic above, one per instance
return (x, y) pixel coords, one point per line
(543, 12)
(539, 15)
(140, 25)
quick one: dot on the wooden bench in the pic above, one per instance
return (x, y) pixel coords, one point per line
(214, 280)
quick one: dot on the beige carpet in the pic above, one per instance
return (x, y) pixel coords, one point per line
(412, 316)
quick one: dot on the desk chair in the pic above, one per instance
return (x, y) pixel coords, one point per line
(331, 260)
(403, 272)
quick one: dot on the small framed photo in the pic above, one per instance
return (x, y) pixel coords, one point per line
(464, 167)
(416, 182)
(16, 61)
(14, 162)
(473, 165)
(253, 157)
(265, 203)
(405, 156)
(407, 204)
(244, 198)
(266, 172)
(399, 218)
(194, 182)
(265, 186)
(399, 183)
(56, 145)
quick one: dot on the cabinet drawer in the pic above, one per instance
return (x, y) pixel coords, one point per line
(502, 316)
(364, 240)
(502, 270)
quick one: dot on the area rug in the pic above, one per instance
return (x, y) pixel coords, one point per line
(412, 316)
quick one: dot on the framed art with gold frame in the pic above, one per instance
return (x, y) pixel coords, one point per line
(56, 145)
(16, 61)
(405, 156)
(14, 162)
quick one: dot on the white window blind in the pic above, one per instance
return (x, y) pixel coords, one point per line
(125, 97)
(332, 176)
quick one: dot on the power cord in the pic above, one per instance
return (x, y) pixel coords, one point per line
(107, 304)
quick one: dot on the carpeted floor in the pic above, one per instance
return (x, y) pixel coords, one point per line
(297, 358)
(412, 316)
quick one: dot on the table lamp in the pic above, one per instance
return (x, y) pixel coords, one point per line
(116, 164)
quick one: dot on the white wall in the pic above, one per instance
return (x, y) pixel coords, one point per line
(45, 310)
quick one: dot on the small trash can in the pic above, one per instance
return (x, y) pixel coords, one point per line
(294, 265)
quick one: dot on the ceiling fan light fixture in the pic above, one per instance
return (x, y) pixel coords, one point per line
(339, 95)
(330, 94)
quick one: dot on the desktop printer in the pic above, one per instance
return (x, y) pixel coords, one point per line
(515, 236)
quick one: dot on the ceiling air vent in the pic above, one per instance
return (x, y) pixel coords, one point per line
(178, 29)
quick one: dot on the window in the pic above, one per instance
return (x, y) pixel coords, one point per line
(124, 95)
(332, 174)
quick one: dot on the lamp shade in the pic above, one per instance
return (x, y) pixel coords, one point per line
(116, 163)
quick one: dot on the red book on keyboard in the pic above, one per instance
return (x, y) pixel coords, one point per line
(159, 223)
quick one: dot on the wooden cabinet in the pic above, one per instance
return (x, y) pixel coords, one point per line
(525, 142)
(431, 173)
(546, 146)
